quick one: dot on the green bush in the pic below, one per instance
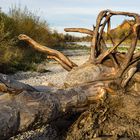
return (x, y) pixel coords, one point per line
(16, 55)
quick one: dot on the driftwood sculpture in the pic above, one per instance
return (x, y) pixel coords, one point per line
(105, 90)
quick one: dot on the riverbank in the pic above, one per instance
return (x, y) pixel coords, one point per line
(55, 75)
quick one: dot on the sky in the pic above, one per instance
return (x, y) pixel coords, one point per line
(72, 13)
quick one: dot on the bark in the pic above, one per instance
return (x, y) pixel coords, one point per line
(107, 89)
(28, 110)
(12, 86)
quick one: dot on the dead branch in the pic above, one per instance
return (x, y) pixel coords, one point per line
(99, 34)
(80, 30)
(107, 19)
(134, 15)
(101, 15)
(128, 76)
(112, 57)
(60, 57)
(66, 67)
(99, 50)
(107, 52)
(100, 38)
(129, 55)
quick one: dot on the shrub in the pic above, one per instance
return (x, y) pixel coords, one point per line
(17, 55)
(13, 56)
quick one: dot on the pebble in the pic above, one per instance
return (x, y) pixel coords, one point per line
(54, 77)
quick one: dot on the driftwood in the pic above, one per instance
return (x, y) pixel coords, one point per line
(105, 88)
(65, 62)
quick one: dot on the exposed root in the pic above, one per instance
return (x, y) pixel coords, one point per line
(101, 83)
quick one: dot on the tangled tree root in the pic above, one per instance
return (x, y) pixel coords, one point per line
(108, 83)
(115, 118)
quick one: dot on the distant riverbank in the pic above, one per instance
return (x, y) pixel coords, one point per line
(122, 48)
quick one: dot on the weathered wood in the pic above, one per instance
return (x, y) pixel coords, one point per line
(80, 30)
(107, 52)
(30, 109)
(108, 74)
(101, 15)
(12, 86)
(61, 58)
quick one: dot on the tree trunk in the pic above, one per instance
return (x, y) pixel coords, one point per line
(25, 110)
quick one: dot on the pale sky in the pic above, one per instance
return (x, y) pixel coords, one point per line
(72, 13)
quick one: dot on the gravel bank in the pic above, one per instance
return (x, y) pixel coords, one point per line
(56, 74)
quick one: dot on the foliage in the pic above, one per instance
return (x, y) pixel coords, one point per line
(120, 31)
(13, 56)
(17, 55)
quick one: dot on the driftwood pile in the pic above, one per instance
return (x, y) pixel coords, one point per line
(101, 98)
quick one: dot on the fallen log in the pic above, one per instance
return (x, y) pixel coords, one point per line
(27, 110)
(105, 88)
